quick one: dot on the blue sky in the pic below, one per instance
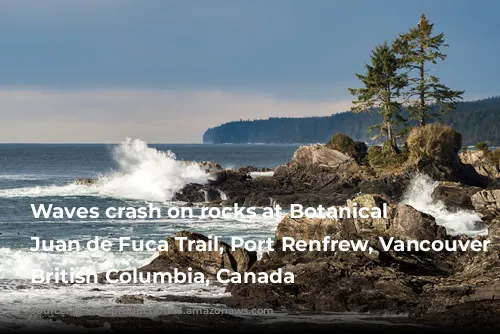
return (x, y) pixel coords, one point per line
(101, 70)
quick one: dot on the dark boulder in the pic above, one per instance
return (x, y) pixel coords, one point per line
(455, 195)
(208, 262)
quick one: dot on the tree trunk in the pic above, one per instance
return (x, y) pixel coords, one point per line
(422, 90)
(388, 127)
(392, 139)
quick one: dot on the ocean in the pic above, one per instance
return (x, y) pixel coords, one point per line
(129, 174)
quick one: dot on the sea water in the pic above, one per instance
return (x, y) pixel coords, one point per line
(130, 174)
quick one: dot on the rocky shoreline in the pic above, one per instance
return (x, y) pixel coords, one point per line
(441, 289)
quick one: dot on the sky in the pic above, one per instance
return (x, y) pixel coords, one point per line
(98, 71)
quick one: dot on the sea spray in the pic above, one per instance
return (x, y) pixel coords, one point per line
(419, 195)
(148, 174)
(144, 173)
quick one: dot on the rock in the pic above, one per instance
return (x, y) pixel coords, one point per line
(478, 160)
(411, 224)
(479, 316)
(309, 228)
(487, 203)
(210, 167)
(455, 195)
(84, 181)
(495, 184)
(371, 225)
(487, 206)
(332, 186)
(316, 175)
(320, 155)
(229, 175)
(130, 299)
(208, 262)
(433, 150)
(345, 144)
(247, 169)
(392, 186)
(453, 170)
(191, 193)
(401, 221)
(354, 281)
(210, 194)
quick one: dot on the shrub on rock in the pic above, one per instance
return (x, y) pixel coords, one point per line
(434, 142)
(347, 145)
(481, 146)
(384, 156)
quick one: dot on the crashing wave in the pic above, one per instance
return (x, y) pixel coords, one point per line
(144, 173)
(419, 195)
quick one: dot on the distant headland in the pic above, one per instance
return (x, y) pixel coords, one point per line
(475, 120)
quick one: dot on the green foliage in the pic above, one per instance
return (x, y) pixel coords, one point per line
(417, 49)
(342, 143)
(465, 148)
(481, 146)
(348, 146)
(380, 157)
(381, 89)
(433, 141)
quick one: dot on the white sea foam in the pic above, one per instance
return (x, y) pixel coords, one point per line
(419, 195)
(19, 263)
(144, 173)
(261, 174)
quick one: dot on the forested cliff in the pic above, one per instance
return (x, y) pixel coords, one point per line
(475, 120)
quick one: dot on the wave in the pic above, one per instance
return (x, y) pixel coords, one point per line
(22, 177)
(419, 195)
(144, 173)
(19, 263)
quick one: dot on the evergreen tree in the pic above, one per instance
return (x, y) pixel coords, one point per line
(417, 49)
(382, 88)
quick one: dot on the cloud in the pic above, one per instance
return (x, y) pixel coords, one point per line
(157, 116)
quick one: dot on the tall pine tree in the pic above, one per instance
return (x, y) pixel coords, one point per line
(425, 94)
(381, 91)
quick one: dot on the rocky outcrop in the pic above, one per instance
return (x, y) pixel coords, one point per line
(320, 174)
(320, 155)
(487, 203)
(433, 150)
(248, 169)
(208, 262)
(307, 184)
(410, 224)
(85, 181)
(210, 167)
(130, 299)
(354, 281)
(479, 161)
(401, 221)
(434, 287)
(455, 195)
(198, 193)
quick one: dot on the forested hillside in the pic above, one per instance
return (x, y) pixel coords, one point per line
(475, 120)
